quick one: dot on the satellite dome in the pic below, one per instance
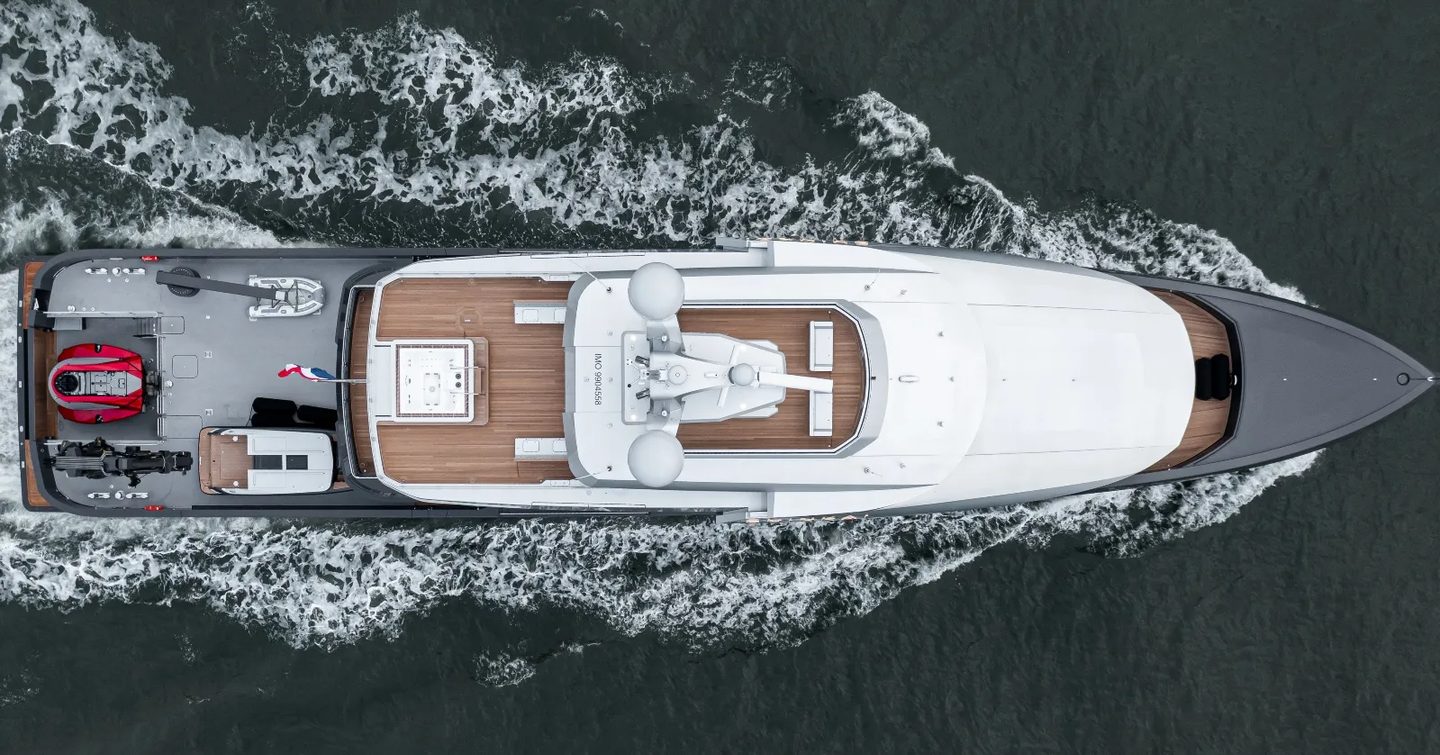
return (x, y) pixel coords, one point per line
(656, 459)
(657, 291)
(742, 374)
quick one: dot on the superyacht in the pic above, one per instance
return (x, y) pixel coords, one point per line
(759, 379)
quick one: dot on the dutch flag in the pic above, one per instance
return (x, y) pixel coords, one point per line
(314, 374)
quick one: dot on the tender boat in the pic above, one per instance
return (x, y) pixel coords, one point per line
(759, 379)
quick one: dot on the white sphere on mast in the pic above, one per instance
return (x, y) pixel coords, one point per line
(656, 459)
(657, 291)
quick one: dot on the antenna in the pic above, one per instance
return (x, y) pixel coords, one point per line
(599, 281)
(873, 279)
(591, 475)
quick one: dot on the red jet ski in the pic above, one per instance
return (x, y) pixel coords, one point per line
(94, 383)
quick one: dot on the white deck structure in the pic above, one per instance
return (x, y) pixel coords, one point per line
(989, 379)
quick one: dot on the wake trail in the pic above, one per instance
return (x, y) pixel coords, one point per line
(412, 134)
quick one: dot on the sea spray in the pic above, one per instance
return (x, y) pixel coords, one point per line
(418, 129)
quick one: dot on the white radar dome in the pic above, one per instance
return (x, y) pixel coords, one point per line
(657, 291)
(656, 459)
(742, 374)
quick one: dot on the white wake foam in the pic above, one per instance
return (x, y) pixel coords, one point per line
(429, 119)
(31, 228)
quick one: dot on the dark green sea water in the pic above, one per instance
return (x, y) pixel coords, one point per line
(1285, 146)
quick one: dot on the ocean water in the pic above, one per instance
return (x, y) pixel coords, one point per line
(1286, 607)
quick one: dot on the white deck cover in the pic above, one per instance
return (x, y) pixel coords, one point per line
(1089, 380)
(315, 447)
(990, 381)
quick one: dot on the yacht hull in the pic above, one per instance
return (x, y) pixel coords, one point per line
(1302, 379)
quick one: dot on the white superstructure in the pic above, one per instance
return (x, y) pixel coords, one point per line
(952, 377)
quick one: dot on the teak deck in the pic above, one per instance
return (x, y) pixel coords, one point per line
(27, 288)
(359, 414)
(44, 423)
(527, 380)
(789, 329)
(224, 462)
(33, 497)
(1208, 419)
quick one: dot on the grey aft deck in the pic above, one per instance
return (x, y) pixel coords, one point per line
(209, 360)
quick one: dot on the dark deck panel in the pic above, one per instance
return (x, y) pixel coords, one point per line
(1306, 379)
